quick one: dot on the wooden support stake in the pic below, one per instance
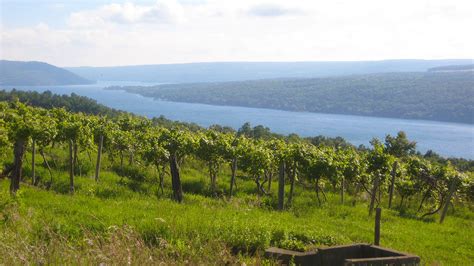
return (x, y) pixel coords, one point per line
(452, 189)
(281, 186)
(342, 190)
(71, 167)
(99, 154)
(374, 194)
(232, 179)
(33, 171)
(378, 214)
(392, 183)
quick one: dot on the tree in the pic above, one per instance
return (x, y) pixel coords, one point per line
(43, 135)
(129, 135)
(348, 168)
(400, 147)
(293, 160)
(21, 123)
(154, 153)
(74, 129)
(444, 182)
(178, 142)
(232, 155)
(317, 163)
(103, 132)
(257, 132)
(412, 181)
(222, 129)
(281, 154)
(379, 166)
(278, 149)
(121, 143)
(245, 130)
(4, 142)
(255, 160)
(417, 178)
(212, 148)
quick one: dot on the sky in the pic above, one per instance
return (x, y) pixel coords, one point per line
(108, 33)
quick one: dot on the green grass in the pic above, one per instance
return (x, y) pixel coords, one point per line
(127, 219)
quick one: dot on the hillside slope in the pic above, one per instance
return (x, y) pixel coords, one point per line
(152, 210)
(36, 73)
(418, 95)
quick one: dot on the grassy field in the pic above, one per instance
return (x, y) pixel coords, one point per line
(124, 220)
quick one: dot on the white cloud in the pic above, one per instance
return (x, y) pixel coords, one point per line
(164, 11)
(220, 30)
(272, 10)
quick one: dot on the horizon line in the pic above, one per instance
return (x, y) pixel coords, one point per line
(248, 61)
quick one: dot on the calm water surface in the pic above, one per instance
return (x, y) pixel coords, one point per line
(448, 139)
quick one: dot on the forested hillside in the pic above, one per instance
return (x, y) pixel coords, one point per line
(36, 73)
(72, 103)
(419, 95)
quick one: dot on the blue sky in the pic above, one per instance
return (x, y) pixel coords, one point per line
(114, 32)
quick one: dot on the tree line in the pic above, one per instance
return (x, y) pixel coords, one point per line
(73, 103)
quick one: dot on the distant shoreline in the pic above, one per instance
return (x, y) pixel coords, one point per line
(431, 96)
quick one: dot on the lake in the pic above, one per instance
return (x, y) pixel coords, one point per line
(447, 139)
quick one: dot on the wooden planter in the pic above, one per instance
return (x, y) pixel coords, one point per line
(348, 255)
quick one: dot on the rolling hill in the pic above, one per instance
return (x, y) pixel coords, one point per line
(36, 73)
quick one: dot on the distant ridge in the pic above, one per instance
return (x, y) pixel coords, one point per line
(452, 68)
(238, 71)
(36, 73)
